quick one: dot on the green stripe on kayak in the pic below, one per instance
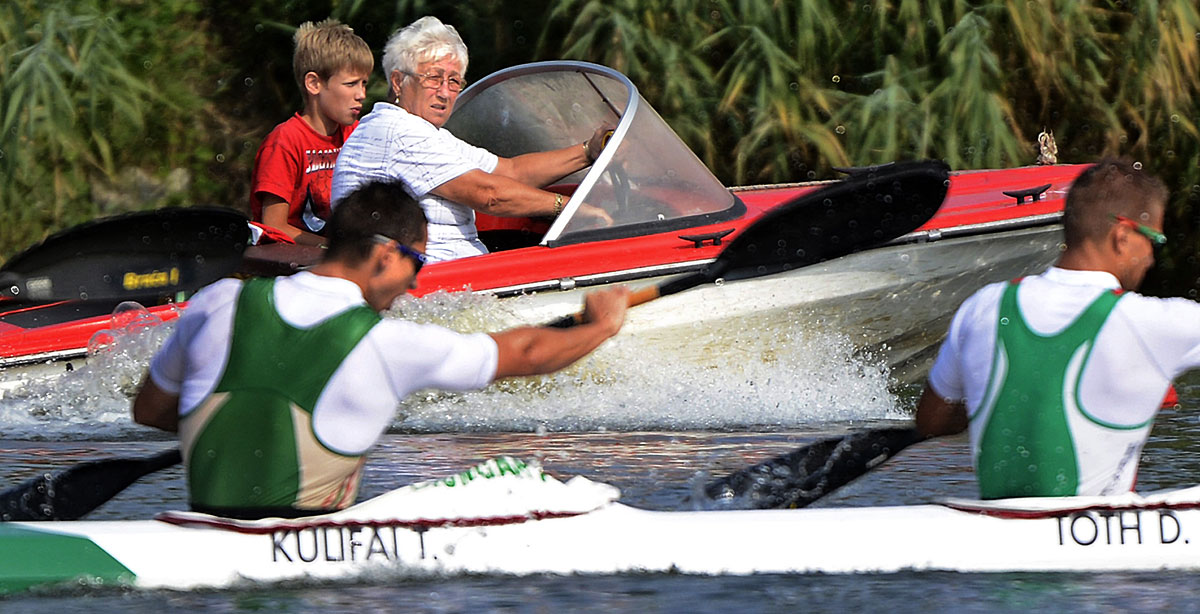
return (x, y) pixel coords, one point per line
(33, 557)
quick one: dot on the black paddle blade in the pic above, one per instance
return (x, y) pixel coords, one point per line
(136, 255)
(800, 477)
(73, 493)
(872, 206)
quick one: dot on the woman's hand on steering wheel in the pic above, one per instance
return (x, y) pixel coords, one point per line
(599, 140)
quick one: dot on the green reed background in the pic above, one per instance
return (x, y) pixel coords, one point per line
(112, 105)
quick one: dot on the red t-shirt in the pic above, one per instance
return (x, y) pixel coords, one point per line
(296, 163)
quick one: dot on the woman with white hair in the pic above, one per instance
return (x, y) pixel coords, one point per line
(403, 138)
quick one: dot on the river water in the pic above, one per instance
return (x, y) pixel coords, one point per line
(654, 427)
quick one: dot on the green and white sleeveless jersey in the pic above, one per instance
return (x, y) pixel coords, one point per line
(285, 386)
(1032, 414)
(1062, 377)
(251, 443)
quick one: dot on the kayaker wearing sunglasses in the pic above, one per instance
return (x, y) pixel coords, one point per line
(1058, 377)
(280, 387)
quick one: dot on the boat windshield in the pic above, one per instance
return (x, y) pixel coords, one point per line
(646, 178)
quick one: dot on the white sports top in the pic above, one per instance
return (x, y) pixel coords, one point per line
(1143, 345)
(395, 359)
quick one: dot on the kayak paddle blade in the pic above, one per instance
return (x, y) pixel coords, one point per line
(795, 479)
(872, 206)
(73, 493)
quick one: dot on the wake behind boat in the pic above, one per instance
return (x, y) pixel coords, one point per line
(507, 517)
(671, 217)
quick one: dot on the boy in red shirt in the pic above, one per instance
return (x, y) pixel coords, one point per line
(289, 190)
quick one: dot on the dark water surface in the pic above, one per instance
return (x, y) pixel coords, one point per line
(656, 470)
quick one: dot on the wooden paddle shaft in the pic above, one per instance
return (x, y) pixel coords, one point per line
(644, 295)
(637, 297)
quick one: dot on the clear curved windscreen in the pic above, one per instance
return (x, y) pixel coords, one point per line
(645, 176)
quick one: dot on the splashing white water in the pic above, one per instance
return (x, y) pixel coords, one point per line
(770, 373)
(91, 401)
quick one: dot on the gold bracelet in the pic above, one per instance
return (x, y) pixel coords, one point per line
(558, 204)
(587, 155)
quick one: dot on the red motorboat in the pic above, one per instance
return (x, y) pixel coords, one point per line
(671, 217)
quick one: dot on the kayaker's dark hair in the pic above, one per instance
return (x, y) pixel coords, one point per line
(1109, 188)
(375, 208)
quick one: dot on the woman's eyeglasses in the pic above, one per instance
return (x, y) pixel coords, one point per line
(433, 82)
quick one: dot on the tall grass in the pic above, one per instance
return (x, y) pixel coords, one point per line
(95, 113)
(63, 88)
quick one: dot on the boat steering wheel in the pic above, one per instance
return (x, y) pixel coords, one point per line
(621, 189)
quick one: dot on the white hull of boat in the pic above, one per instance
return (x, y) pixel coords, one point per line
(894, 302)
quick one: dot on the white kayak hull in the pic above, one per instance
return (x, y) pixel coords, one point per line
(560, 535)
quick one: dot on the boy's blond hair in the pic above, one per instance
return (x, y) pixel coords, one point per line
(327, 47)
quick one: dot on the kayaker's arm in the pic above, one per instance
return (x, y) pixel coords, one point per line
(540, 350)
(155, 407)
(938, 416)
